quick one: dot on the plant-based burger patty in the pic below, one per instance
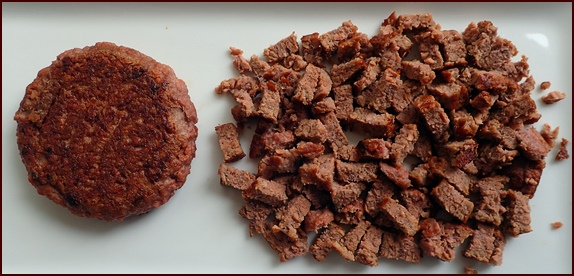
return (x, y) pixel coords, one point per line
(107, 132)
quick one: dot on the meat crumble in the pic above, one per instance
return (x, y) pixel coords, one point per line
(448, 152)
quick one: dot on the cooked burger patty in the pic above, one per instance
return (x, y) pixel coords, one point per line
(107, 132)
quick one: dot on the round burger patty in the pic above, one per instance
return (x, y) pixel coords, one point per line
(107, 132)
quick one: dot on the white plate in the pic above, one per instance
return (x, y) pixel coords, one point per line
(199, 229)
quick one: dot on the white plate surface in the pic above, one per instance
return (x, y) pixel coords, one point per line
(199, 229)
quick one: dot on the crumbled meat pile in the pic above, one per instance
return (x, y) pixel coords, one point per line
(448, 152)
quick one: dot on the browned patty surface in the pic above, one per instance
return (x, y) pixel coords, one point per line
(107, 132)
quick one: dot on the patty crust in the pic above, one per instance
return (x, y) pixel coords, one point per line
(107, 132)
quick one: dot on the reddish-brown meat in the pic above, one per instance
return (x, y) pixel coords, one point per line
(107, 132)
(553, 97)
(517, 216)
(348, 244)
(442, 124)
(229, 142)
(367, 252)
(323, 244)
(563, 151)
(401, 217)
(452, 201)
(235, 178)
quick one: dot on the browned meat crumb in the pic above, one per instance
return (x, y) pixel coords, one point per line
(553, 97)
(550, 134)
(557, 225)
(545, 85)
(563, 151)
(470, 270)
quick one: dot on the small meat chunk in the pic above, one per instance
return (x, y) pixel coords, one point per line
(315, 220)
(532, 144)
(549, 134)
(517, 216)
(416, 202)
(379, 190)
(483, 101)
(417, 70)
(267, 191)
(282, 161)
(311, 130)
(229, 142)
(257, 213)
(495, 131)
(356, 172)
(436, 120)
(348, 244)
(416, 21)
(419, 175)
(451, 96)
(348, 153)
(452, 201)
(404, 142)
(557, 225)
(335, 135)
(429, 48)
(285, 246)
(311, 49)
(369, 73)
(319, 171)
(310, 150)
(397, 173)
(439, 239)
(464, 125)
(239, 62)
(314, 85)
(323, 244)
(235, 178)
(282, 49)
(374, 148)
(423, 147)
(455, 176)
(493, 81)
(343, 96)
(486, 245)
(330, 40)
(323, 106)
(470, 270)
(343, 195)
(240, 85)
(401, 217)
(489, 208)
(367, 252)
(269, 107)
(488, 49)
(291, 216)
(269, 141)
(376, 125)
(454, 48)
(563, 151)
(352, 213)
(462, 153)
(399, 247)
(553, 97)
(342, 72)
(525, 175)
